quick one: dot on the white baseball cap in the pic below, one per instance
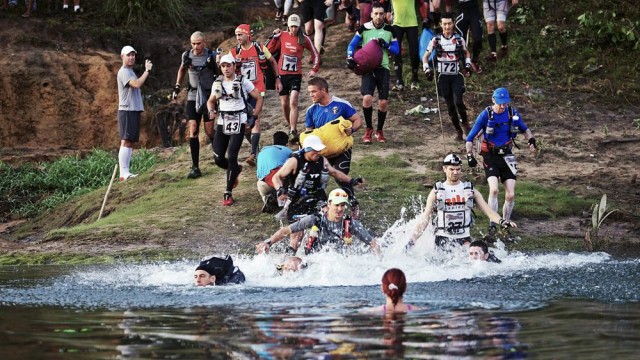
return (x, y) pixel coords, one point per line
(127, 50)
(313, 142)
(228, 59)
(293, 20)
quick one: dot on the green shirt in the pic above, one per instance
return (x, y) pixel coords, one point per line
(368, 31)
(404, 13)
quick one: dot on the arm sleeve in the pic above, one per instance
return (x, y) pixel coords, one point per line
(480, 124)
(303, 224)
(360, 232)
(357, 38)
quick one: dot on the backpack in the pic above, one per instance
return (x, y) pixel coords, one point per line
(262, 59)
(239, 78)
(207, 74)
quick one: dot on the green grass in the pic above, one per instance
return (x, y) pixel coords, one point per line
(137, 257)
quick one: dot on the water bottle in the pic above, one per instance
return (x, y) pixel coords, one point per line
(515, 122)
(490, 127)
(217, 89)
(346, 236)
(235, 87)
(439, 199)
(313, 236)
(302, 175)
(324, 178)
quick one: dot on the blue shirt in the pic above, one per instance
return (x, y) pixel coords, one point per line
(271, 157)
(501, 134)
(318, 115)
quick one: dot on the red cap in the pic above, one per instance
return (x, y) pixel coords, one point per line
(243, 29)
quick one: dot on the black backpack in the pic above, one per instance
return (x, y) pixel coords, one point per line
(207, 74)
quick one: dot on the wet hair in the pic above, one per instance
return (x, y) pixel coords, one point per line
(480, 244)
(280, 138)
(319, 82)
(394, 284)
(447, 15)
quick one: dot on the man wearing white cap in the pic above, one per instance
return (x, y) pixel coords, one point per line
(302, 179)
(291, 45)
(228, 105)
(334, 228)
(130, 107)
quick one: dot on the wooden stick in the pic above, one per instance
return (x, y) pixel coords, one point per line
(104, 202)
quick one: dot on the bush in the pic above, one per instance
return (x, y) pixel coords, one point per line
(146, 12)
(32, 189)
(605, 27)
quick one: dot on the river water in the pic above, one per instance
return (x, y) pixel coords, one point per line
(555, 305)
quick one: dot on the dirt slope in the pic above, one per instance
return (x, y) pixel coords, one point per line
(56, 101)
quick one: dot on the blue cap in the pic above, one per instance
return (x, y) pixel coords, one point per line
(501, 96)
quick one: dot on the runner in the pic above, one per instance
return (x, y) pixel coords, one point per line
(325, 109)
(450, 49)
(452, 202)
(252, 60)
(469, 17)
(218, 271)
(334, 229)
(228, 104)
(270, 160)
(196, 63)
(406, 14)
(291, 45)
(500, 124)
(375, 30)
(495, 12)
(305, 175)
(478, 250)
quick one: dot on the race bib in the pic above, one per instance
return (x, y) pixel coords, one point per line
(454, 222)
(289, 63)
(511, 162)
(230, 124)
(249, 70)
(448, 67)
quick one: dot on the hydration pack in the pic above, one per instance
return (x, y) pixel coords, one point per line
(207, 74)
(514, 123)
(262, 58)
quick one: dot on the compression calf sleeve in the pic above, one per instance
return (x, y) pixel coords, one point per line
(382, 116)
(194, 145)
(507, 209)
(368, 116)
(493, 203)
(255, 143)
(123, 153)
(503, 38)
(492, 42)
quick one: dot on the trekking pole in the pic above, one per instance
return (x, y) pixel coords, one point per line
(435, 81)
(106, 195)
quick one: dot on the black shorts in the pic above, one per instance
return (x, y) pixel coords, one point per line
(378, 79)
(129, 125)
(290, 83)
(313, 9)
(451, 85)
(192, 114)
(494, 165)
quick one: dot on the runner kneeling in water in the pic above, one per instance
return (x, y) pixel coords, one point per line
(332, 228)
(451, 202)
(217, 271)
(292, 263)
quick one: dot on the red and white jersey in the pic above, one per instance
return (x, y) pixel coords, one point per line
(291, 51)
(249, 65)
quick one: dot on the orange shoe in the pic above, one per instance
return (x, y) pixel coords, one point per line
(368, 134)
(227, 200)
(380, 137)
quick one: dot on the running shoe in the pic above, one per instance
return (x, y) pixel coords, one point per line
(380, 137)
(293, 137)
(492, 57)
(251, 160)
(278, 15)
(227, 200)
(477, 67)
(368, 134)
(127, 177)
(504, 51)
(399, 86)
(194, 173)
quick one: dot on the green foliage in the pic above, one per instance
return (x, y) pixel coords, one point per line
(32, 189)
(605, 27)
(145, 12)
(636, 123)
(592, 240)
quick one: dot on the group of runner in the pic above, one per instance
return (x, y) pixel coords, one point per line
(226, 90)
